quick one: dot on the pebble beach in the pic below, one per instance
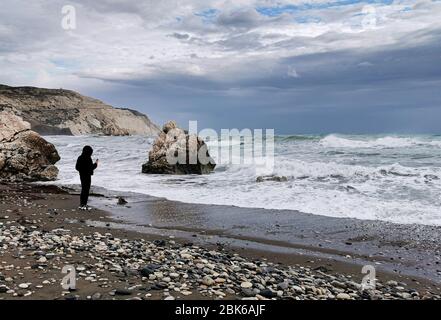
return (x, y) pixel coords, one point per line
(42, 232)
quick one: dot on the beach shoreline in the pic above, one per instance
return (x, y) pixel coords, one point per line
(47, 208)
(409, 249)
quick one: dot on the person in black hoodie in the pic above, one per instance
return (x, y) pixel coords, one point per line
(85, 167)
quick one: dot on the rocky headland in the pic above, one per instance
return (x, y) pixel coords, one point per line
(59, 111)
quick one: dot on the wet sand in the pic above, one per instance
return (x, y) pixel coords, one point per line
(410, 250)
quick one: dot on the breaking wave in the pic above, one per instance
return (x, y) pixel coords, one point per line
(335, 141)
(390, 178)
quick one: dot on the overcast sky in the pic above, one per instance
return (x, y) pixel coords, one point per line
(298, 66)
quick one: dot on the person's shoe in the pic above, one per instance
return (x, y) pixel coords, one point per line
(82, 208)
(88, 208)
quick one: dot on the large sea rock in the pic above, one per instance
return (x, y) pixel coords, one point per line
(24, 154)
(59, 111)
(175, 143)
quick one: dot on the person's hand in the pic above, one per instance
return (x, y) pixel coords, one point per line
(97, 162)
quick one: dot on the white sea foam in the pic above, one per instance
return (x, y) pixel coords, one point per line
(340, 176)
(335, 141)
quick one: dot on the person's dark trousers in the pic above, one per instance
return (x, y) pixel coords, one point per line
(86, 181)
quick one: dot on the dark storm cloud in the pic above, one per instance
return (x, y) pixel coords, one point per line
(340, 68)
(391, 90)
(227, 65)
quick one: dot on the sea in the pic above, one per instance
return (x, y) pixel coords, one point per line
(394, 178)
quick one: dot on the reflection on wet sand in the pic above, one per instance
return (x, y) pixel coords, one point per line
(283, 229)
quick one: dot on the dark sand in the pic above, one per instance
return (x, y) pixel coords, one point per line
(279, 236)
(412, 250)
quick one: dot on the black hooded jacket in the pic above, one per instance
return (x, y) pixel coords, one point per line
(85, 165)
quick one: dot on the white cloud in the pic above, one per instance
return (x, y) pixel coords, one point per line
(116, 40)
